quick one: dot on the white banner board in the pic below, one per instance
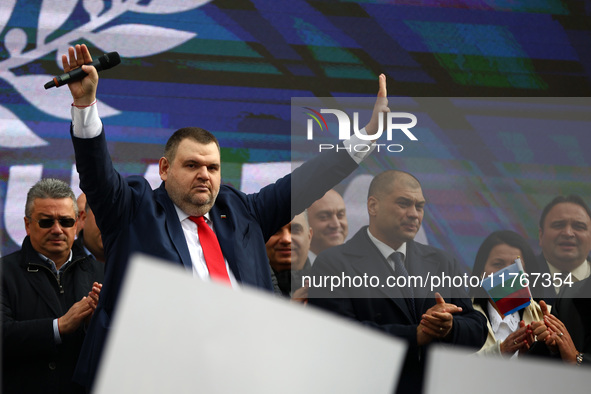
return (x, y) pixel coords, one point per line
(457, 371)
(176, 334)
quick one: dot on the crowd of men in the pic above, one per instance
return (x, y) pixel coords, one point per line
(56, 313)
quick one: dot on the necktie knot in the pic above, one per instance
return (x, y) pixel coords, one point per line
(197, 219)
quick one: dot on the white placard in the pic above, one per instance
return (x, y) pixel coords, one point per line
(454, 370)
(176, 334)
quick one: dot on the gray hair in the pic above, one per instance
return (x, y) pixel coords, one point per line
(49, 188)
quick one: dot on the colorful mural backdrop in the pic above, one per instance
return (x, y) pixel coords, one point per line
(233, 67)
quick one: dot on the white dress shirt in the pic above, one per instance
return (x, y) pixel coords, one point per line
(502, 327)
(195, 250)
(387, 251)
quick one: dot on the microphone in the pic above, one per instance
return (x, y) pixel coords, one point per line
(104, 62)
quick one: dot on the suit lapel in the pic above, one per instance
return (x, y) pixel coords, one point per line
(173, 227)
(421, 264)
(37, 277)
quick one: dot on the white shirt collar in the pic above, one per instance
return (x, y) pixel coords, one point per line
(183, 215)
(512, 320)
(583, 271)
(386, 250)
(52, 263)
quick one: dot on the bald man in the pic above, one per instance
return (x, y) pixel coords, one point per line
(328, 220)
(385, 254)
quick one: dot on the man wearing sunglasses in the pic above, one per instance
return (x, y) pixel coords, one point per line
(50, 289)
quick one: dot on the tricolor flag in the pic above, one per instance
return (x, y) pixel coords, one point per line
(506, 289)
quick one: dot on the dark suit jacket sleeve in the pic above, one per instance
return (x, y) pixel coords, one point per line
(469, 326)
(371, 308)
(275, 205)
(573, 306)
(106, 190)
(349, 309)
(20, 338)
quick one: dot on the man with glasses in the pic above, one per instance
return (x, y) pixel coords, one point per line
(50, 289)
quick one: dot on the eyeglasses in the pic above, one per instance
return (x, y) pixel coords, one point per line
(48, 223)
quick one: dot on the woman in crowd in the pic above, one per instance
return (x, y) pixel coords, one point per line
(513, 334)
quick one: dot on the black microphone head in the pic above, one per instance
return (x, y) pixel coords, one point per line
(109, 60)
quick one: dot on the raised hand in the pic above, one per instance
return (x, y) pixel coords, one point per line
(83, 91)
(93, 299)
(93, 295)
(380, 108)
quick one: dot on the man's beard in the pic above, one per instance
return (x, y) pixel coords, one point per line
(197, 206)
(194, 205)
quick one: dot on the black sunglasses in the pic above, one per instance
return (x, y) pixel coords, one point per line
(48, 223)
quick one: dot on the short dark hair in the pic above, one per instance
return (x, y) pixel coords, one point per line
(571, 198)
(381, 181)
(196, 134)
(49, 188)
(501, 237)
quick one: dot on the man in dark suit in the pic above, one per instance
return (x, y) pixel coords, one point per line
(385, 253)
(568, 327)
(565, 240)
(49, 291)
(571, 330)
(134, 218)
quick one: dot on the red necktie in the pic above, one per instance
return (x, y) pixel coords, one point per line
(211, 250)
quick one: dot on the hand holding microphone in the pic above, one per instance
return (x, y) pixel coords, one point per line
(83, 88)
(104, 62)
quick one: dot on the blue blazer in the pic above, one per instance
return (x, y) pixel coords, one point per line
(384, 308)
(134, 218)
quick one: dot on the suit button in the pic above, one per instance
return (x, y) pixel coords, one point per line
(52, 365)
